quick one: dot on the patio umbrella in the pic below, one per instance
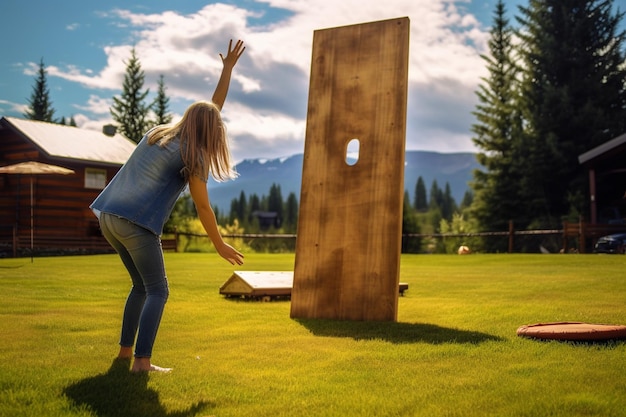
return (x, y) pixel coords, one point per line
(33, 168)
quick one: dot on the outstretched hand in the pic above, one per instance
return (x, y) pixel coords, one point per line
(233, 53)
(231, 254)
(221, 90)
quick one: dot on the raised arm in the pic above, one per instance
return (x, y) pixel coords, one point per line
(221, 90)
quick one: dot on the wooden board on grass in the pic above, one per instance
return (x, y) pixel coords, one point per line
(256, 284)
(266, 284)
(350, 220)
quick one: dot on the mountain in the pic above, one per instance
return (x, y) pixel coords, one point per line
(256, 176)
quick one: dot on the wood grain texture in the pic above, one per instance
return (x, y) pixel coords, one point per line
(350, 220)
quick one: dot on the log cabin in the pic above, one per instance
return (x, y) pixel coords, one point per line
(61, 219)
(606, 168)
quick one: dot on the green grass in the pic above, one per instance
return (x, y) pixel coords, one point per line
(453, 351)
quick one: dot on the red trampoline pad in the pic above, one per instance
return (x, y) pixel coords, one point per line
(573, 331)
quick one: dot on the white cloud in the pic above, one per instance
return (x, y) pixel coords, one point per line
(266, 108)
(97, 105)
(8, 106)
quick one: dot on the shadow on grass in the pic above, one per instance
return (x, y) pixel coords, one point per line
(118, 392)
(394, 332)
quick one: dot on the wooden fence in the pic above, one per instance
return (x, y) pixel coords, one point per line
(583, 235)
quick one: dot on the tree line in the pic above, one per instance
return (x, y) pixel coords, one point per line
(555, 88)
(134, 116)
(426, 213)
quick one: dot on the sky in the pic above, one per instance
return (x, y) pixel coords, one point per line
(85, 46)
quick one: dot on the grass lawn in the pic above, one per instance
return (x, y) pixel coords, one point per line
(453, 351)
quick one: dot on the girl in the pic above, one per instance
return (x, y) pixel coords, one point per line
(135, 205)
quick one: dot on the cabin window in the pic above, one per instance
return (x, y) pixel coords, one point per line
(95, 178)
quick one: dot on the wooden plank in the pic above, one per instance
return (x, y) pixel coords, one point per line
(350, 220)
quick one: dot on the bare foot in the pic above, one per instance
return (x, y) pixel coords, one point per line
(152, 368)
(144, 365)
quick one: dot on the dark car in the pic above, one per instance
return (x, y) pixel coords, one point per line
(611, 244)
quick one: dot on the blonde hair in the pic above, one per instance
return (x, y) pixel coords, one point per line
(203, 142)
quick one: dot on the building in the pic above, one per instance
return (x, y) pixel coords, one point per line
(606, 166)
(61, 218)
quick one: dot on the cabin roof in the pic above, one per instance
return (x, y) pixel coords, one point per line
(608, 149)
(67, 142)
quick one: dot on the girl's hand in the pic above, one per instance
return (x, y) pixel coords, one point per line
(233, 53)
(231, 254)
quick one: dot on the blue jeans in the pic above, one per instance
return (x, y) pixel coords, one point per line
(142, 255)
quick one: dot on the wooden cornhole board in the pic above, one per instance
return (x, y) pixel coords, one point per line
(266, 285)
(258, 284)
(350, 220)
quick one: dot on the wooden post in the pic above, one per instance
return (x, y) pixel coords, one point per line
(581, 236)
(511, 235)
(15, 240)
(592, 196)
(565, 236)
(350, 221)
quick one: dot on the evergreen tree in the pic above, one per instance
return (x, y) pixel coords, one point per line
(234, 209)
(468, 199)
(291, 214)
(254, 204)
(448, 205)
(410, 225)
(497, 133)
(421, 201)
(160, 106)
(436, 196)
(240, 208)
(130, 110)
(573, 98)
(275, 202)
(39, 104)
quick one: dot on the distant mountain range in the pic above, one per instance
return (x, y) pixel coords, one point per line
(256, 176)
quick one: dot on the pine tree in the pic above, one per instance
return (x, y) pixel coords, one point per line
(234, 209)
(436, 196)
(410, 225)
(239, 209)
(496, 198)
(130, 110)
(275, 202)
(448, 205)
(291, 213)
(421, 201)
(40, 106)
(573, 99)
(254, 203)
(160, 106)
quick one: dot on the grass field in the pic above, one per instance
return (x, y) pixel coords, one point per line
(453, 351)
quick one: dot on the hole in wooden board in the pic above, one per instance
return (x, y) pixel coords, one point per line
(352, 152)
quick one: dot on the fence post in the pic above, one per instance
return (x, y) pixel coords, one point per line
(581, 236)
(511, 234)
(15, 240)
(565, 229)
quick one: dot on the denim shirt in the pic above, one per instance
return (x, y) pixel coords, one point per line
(147, 186)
